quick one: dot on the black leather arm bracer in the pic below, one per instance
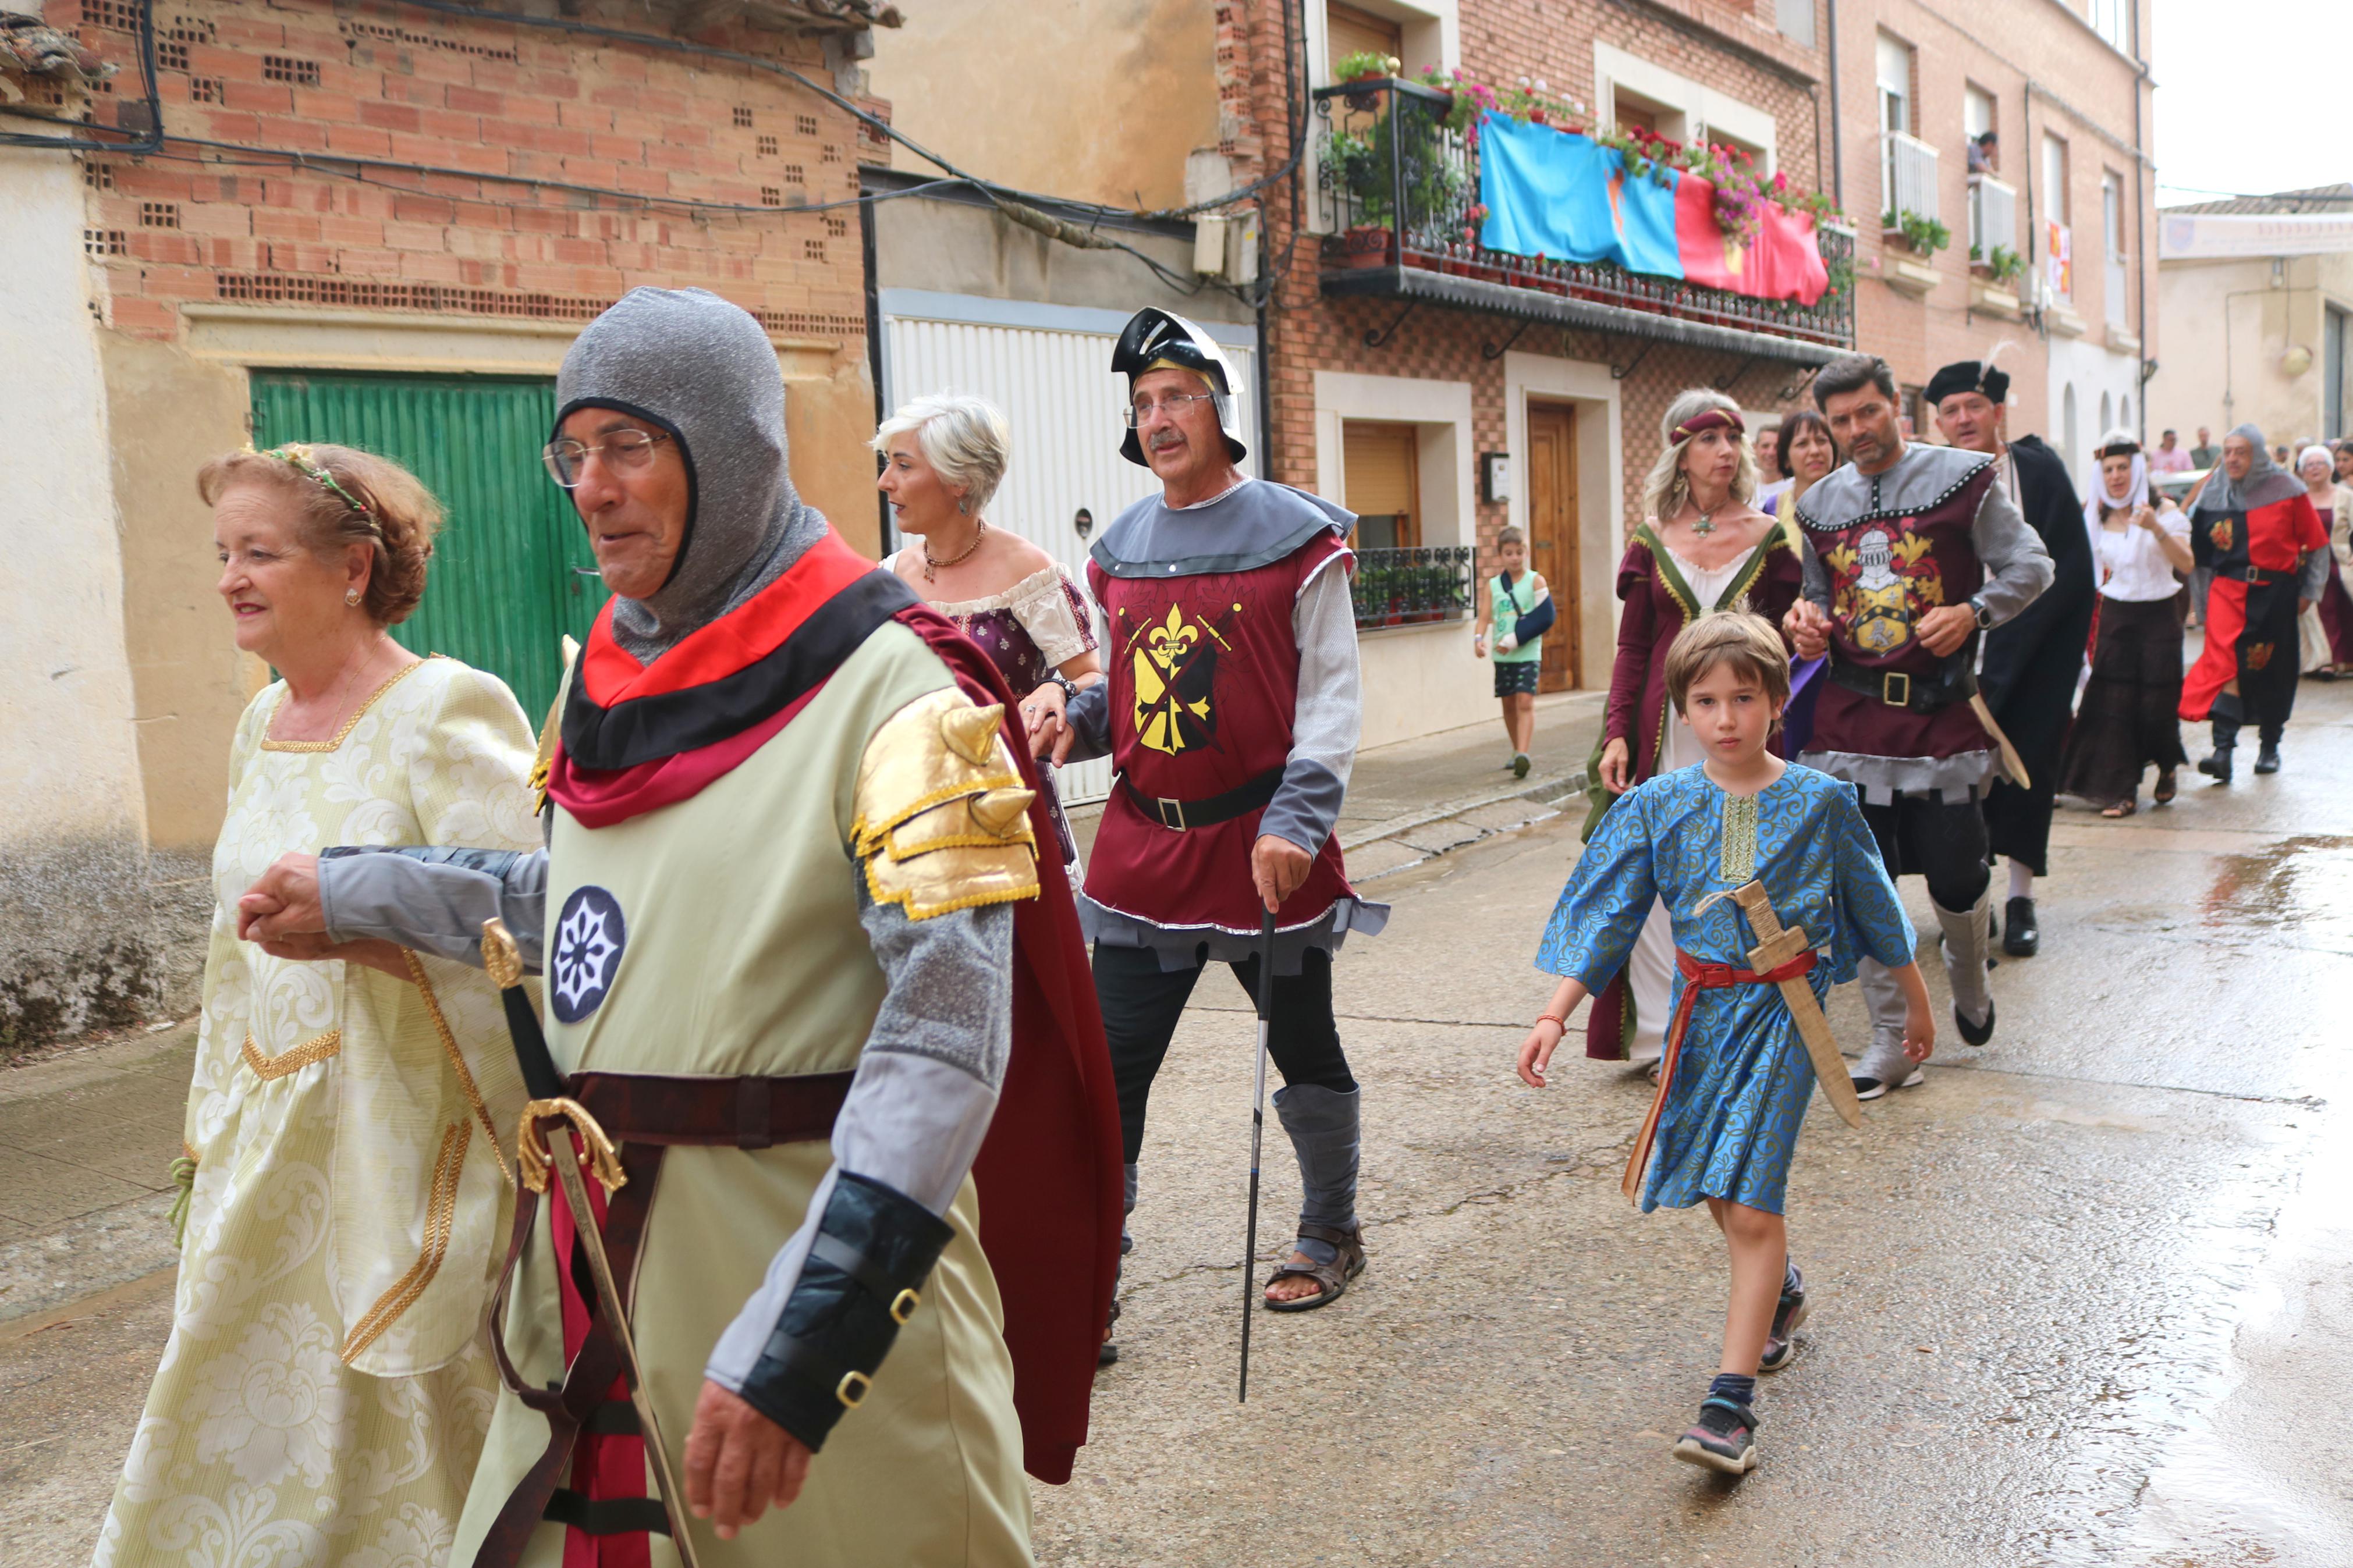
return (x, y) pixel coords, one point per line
(874, 1249)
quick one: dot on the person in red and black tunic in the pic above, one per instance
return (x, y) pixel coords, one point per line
(2258, 534)
(1231, 713)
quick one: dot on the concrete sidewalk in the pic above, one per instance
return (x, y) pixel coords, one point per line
(87, 1139)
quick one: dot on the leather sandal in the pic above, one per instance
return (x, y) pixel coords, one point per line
(1332, 1278)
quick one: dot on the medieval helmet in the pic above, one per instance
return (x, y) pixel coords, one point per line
(1155, 339)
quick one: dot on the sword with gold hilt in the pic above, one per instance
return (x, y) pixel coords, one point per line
(1777, 945)
(576, 1138)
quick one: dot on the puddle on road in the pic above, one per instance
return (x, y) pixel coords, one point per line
(2298, 889)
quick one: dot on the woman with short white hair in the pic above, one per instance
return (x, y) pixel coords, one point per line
(943, 458)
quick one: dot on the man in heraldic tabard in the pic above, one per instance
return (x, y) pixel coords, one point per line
(802, 974)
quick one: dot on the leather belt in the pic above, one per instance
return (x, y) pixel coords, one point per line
(1182, 815)
(749, 1111)
(1955, 682)
(2252, 576)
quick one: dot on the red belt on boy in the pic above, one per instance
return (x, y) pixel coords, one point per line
(1698, 976)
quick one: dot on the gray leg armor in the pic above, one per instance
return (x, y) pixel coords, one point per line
(1324, 1134)
(1966, 947)
(1882, 998)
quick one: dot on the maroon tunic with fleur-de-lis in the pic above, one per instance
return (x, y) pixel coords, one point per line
(1204, 678)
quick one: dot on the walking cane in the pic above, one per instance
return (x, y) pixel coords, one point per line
(1258, 1130)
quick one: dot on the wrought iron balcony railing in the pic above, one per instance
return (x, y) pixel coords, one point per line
(1408, 587)
(1397, 189)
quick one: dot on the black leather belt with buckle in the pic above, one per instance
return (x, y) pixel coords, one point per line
(1901, 689)
(1184, 814)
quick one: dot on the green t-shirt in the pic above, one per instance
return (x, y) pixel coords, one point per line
(1511, 602)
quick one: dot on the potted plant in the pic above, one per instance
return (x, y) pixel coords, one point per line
(1924, 235)
(1364, 65)
(2004, 264)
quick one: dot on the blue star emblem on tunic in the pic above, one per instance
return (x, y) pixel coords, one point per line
(589, 937)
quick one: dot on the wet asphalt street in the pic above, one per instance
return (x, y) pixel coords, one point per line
(2083, 1297)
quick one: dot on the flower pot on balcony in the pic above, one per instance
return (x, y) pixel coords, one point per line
(1369, 244)
(1366, 100)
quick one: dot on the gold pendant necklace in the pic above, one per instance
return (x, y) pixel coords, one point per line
(932, 566)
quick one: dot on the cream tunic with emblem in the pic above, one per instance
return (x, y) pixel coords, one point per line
(721, 935)
(323, 1392)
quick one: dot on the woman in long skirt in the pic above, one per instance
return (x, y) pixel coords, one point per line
(2127, 720)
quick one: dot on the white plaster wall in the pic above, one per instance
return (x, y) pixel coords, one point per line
(1421, 680)
(2092, 372)
(68, 753)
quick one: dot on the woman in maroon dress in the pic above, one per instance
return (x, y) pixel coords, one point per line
(1703, 549)
(944, 457)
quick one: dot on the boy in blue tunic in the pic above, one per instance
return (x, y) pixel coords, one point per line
(1737, 1075)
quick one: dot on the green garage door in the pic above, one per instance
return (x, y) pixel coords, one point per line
(504, 586)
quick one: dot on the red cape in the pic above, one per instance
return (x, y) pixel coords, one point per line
(1049, 1170)
(1050, 1185)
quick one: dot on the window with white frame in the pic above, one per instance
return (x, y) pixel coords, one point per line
(2058, 233)
(1907, 165)
(2112, 240)
(2112, 19)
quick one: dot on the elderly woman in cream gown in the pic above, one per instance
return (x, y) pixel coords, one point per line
(324, 1392)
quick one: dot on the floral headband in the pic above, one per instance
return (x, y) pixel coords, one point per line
(297, 454)
(1712, 419)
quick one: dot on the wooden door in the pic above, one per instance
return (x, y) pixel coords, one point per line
(1551, 536)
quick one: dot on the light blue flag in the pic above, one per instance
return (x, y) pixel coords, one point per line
(1554, 193)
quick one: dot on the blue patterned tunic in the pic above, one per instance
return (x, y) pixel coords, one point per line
(1741, 1086)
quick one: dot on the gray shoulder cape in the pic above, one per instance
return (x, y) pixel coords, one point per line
(1921, 478)
(1251, 525)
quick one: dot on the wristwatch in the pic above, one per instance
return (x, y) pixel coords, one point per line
(1984, 615)
(1070, 687)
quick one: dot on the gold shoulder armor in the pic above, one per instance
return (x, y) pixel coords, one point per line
(943, 817)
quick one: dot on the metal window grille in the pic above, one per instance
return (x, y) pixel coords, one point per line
(159, 215)
(805, 124)
(743, 118)
(1411, 587)
(105, 242)
(767, 146)
(287, 69)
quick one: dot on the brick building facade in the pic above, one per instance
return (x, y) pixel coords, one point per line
(1469, 377)
(372, 223)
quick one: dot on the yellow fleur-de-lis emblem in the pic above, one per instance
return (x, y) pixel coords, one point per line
(1174, 669)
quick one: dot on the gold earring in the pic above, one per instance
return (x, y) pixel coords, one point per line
(350, 596)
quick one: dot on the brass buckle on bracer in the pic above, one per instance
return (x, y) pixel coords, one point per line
(1172, 812)
(1888, 688)
(532, 1151)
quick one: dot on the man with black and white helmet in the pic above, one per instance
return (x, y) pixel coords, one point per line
(1231, 714)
